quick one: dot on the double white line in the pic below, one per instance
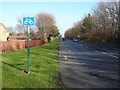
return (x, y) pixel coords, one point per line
(105, 53)
(110, 55)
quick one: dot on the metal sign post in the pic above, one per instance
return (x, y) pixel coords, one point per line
(28, 49)
(28, 21)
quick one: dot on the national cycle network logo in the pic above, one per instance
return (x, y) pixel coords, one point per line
(28, 20)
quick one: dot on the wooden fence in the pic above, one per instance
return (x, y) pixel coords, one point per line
(7, 46)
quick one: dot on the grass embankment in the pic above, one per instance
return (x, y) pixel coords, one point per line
(43, 64)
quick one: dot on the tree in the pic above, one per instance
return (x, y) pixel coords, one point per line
(54, 31)
(11, 30)
(102, 26)
(70, 33)
(88, 23)
(33, 35)
(11, 34)
(106, 15)
(21, 28)
(46, 25)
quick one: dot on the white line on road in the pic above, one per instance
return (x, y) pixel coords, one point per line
(105, 53)
(81, 45)
(86, 85)
(110, 55)
(65, 57)
(69, 51)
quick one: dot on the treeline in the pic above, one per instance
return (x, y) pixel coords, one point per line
(101, 26)
(44, 28)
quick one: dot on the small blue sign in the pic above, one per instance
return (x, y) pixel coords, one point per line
(28, 21)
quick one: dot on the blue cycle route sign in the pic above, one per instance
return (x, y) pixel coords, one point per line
(28, 20)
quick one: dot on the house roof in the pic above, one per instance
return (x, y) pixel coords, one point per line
(4, 26)
(17, 37)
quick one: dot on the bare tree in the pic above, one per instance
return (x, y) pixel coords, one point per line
(106, 15)
(102, 26)
(11, 30)
(46, 25)
(21, 28)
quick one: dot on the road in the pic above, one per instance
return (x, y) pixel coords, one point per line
(85, 65)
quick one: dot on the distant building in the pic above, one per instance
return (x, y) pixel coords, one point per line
(3, 33)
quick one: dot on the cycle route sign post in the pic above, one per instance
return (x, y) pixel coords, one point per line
(28, 21)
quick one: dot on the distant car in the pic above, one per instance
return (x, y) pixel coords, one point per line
(63, 39)
(75, 40)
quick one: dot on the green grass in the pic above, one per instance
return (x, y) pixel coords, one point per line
(43, 64)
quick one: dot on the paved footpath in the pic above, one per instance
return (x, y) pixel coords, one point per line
(82, 68)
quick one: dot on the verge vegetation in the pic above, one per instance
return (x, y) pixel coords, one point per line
(44, 68)
(99, 27)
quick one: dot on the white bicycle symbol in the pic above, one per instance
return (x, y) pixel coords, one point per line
(28, 21)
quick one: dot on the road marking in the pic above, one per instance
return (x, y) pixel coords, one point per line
(69, 51)
(96, 50)
(65, 57)
(110, 55)
(81, 45)
(105, 53)
(86, 85)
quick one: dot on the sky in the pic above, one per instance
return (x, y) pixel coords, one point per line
(65, 13)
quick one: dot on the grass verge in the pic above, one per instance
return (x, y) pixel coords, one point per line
(43, 65)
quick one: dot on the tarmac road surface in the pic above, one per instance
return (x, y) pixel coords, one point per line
(85, 65)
